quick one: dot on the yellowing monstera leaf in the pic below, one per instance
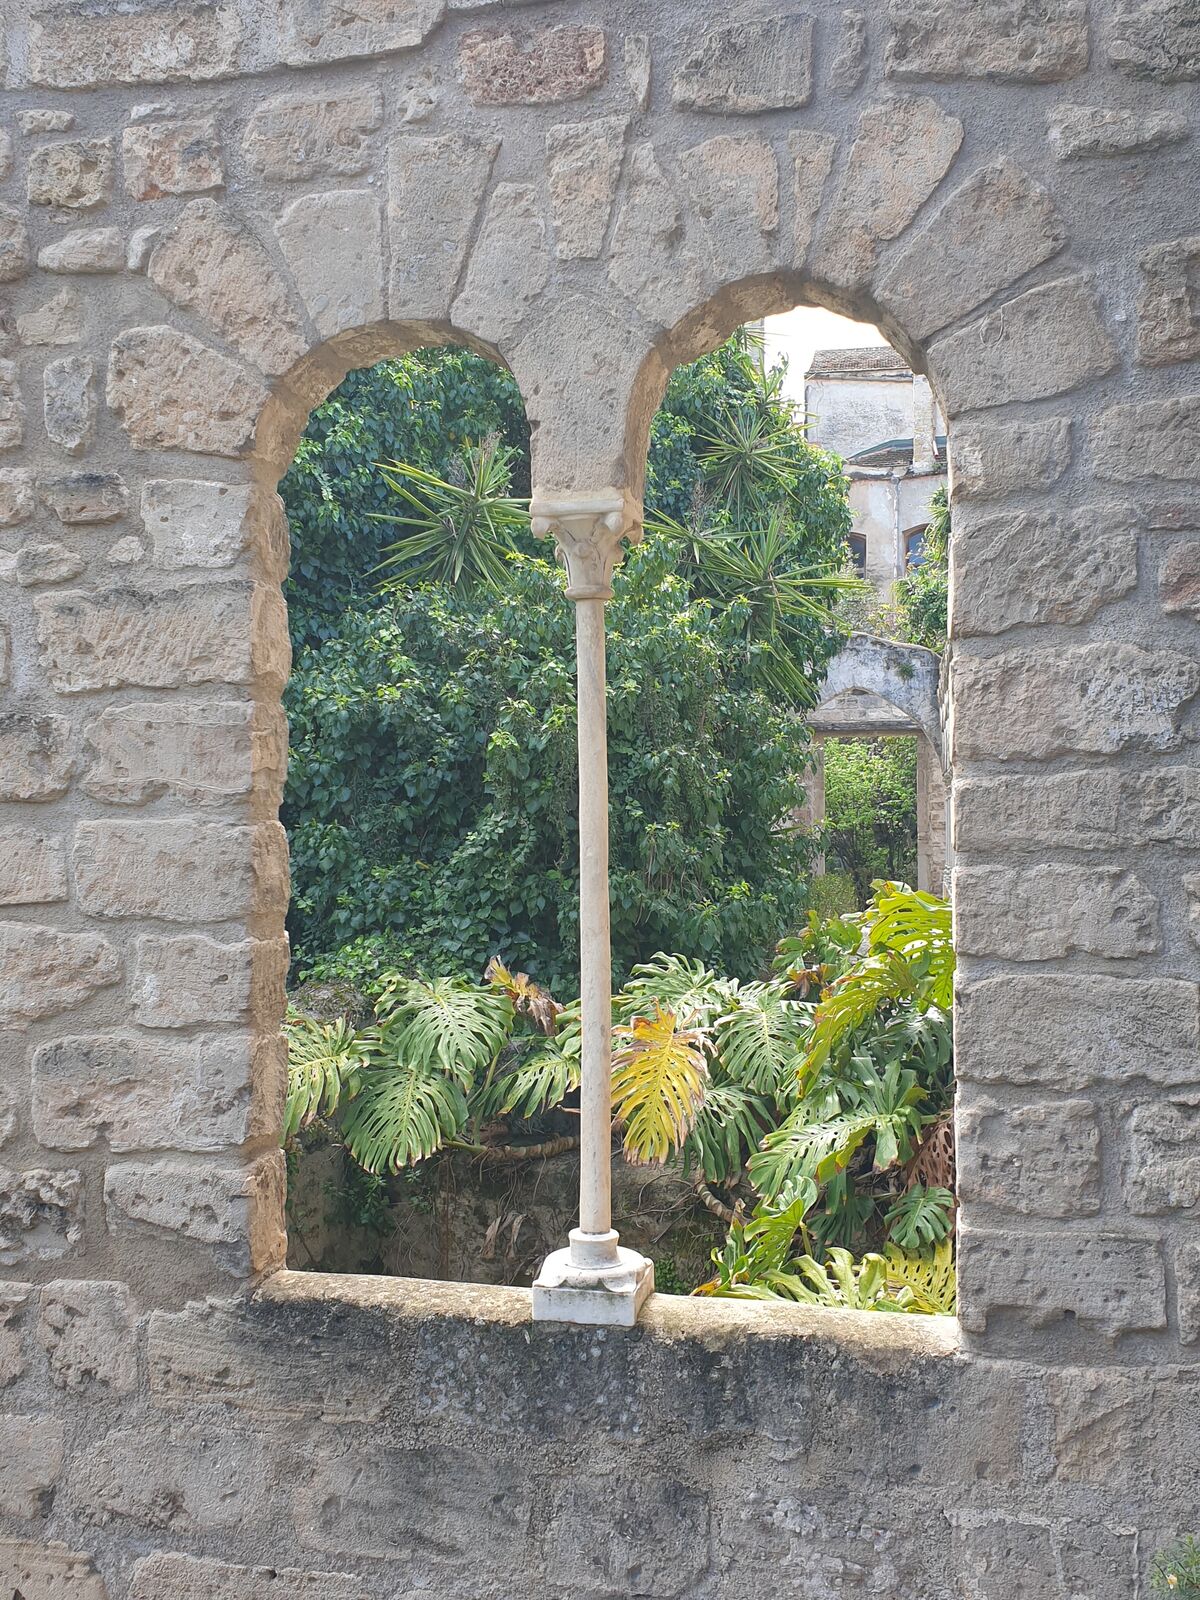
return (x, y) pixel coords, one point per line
(660, 1075)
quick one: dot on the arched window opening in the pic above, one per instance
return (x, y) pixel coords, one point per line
(914, 548)
(858, 554)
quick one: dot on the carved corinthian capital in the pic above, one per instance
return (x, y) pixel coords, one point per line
(588, 528)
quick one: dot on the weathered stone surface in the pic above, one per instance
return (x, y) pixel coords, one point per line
(44, 971)
(12, 407)
(1179, 580)
(1107, 1281)
(14, 245)
(180, 871)
(734, 186)
(509, 265)
(127, 552)
(209, 262)
(639, 68)
(1002, 1557)
(194, 980)
(182, 1482)
(14, 1303)
(306, 137)
(85, 497)
(204, 753)
(1078, 131)
(325, 30)
(1156, 39)
(1041, 1160)
(173, 393)
(77, 174)
(188, 1578)
(1031, 704)
(1187, 1275)
(1153, 439)
(583, 165)
(44, 120)
(850, 59)
(35, 756)
(85, 48)
(1072, 563)
(1015, 42)
(46, 563)
(1037, 913)
(141, 243)
(812, 160)
(31, 1458)
(69, 404)
(124, 638)
(236, 1211)
(993, 230)
(169, 158)
(41, 1214)
(87, 1331)
(16, 496)
(1169, 305)
(40, 1571)
(333, 245)
(992, 459)
(1162, 1171)
(1066, 1032)
(84, 250)
(558, 63)
(649, 258)
(435, 187)
(33, 866)
(616, 1559)
(1095, 811)
(902, 151)
(58, 321)
(1046, 341)
(749, 67)
(198, 524)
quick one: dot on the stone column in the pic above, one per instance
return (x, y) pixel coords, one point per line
(593, 1280)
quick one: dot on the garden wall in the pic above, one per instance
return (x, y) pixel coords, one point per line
(208, 213)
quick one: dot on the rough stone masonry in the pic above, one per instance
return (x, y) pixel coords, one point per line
(210, 210)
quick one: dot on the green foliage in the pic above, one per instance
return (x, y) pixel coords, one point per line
(871, 810)
(920, 1217)
(922, 595)
(1176, 1569)
(750, 1268)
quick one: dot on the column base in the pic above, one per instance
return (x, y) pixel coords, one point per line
(607, 1290)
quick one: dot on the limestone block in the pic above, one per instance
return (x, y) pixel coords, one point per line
(180, 871)
(203, 753)
(1110, 1282)
(84, 250)
(12, 407)
(41, 1214)
(1047, 341)
(16, 496)
(1014, 43)
(303, 137)
(748, 67)
(88, 1332)
(997, 227)
(1083, 811)
(58, 321)
(509, 265)
(86, 48)
(1099, 1414)
(40, 1571)
(14, 1301)
(1187, 1276)
(989, 460)
(126, 552)
(14, 245)
(44, 971)
(46, 563)
(173, 393)
(77, 174)
(190, 1578)
(1066, 1032)
(333, 245)
(45, 120)
(734, 185)
(1078, 131)
(85, 497)
(1155, 39)
(69, 404)
(1153, 439)
(1040, 912)
(1000, 1557)
(327, 30)
(649, 259)
(850, 58)
(35, 756)
(1040, 1159)
(181, 1482)
(124, 638)
(1169, 305)
(812, 161)
(583, 166)
(5, 655)
(1029, 704)
(1071, 564)
(902, 151)
(210, 263)
(141, 243)
(31, 1458)
(435, 187)
(6, 154)
(33, 866)
(235, 1211)
(639, 68)
(1162, 1172)
(1179, 580)
(198, 524)
(194, 980)
(169, 158)
(558, 63)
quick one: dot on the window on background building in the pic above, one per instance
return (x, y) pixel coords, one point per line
(914, 548)
(858, 554)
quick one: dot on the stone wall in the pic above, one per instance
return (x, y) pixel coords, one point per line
(209, 212)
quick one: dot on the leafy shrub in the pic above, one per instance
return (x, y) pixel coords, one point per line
(922, 595)
(871, 810)
(1176, 1569)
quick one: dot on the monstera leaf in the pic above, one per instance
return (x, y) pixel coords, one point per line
(660, 1075)
(403, 1113)
(323, 1059)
